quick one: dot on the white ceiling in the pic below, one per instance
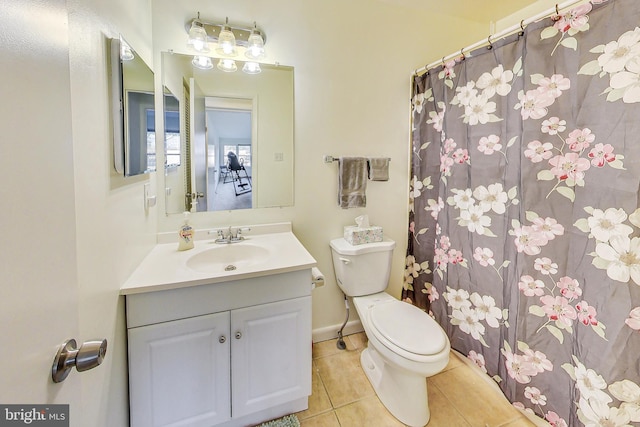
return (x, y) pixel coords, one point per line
(474, 10)
(230, 124)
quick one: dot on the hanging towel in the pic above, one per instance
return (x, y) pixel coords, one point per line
(379, 169)
(352, 182)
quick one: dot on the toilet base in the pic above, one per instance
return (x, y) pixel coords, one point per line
(403, 393)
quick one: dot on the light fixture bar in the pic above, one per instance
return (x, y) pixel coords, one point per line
(241, 34)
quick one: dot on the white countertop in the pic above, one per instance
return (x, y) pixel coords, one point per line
(166, 268)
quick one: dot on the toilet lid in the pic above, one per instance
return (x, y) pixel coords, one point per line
(408, 327)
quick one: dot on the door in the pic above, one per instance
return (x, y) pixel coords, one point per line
(38, 285)
(270, 354)
(179, 372)
(198, 150)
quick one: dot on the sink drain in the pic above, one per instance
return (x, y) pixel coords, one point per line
(230, 267)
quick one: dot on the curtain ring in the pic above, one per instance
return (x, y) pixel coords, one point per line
(443, 61)
(489, 41)
(522, 27)
(557, 10)
(462, 54)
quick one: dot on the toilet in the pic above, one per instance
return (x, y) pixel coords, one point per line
(405, 344)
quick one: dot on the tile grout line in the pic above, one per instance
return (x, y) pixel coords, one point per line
(447, 397)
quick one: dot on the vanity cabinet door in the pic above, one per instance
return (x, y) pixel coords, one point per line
(270, 354)
(179, 372)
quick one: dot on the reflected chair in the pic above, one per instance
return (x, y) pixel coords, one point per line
(236, 168)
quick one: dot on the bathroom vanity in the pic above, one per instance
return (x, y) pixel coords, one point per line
(211, 345)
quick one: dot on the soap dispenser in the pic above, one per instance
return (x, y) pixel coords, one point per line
(185, 234)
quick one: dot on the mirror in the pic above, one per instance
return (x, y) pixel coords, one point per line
(247, 115)
(133, 100)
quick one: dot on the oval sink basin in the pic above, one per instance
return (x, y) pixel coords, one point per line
(228, 257)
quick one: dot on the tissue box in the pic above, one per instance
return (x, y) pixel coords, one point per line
(360, 235)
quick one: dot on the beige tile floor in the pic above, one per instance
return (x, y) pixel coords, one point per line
(343, 397)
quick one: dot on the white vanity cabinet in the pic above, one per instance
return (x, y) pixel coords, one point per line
(231, 354)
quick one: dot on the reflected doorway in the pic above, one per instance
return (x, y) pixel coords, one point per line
(229, 153)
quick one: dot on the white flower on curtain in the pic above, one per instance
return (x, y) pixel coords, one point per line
(413, 269)
(469, 311)
(615, 251)
(476, 96)
(497, 81)
(594, 404)
(491, 198)
(620, 59)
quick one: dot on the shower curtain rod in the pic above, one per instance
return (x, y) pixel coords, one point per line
(504, 33)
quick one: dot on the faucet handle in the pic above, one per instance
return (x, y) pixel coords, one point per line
(240, 230)
(218, 231)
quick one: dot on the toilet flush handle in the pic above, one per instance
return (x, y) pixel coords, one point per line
(345, 260)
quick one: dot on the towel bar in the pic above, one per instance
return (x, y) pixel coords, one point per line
(330, 159)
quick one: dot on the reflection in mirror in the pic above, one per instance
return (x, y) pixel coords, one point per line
(250, 116)
(133, 111)
(171, 130)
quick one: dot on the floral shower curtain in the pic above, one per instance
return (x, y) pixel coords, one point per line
(524, 237)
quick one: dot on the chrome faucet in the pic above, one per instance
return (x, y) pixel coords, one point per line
(233, 234)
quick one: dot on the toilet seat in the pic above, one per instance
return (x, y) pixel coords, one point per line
(407, 330)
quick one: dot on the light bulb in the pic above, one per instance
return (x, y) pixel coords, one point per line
(227, 65)
(202, 62)
(198, 37)
(226, 42)
(126, 54)
(251, 68)
(255, 46)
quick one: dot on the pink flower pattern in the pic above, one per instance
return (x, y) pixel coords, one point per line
(569, 166)
(601, 154)
(558, 309)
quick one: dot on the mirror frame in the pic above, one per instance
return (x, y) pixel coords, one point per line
(117, 105)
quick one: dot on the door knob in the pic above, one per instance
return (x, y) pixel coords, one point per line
(88, 356)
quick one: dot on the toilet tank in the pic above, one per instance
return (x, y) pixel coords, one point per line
(362, 269)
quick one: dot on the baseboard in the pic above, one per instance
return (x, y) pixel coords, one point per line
(331, 332)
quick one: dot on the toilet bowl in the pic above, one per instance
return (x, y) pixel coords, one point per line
(405, 347)
(405, 344)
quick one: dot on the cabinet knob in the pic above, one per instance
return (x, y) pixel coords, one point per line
(238, 335)
(222, 339)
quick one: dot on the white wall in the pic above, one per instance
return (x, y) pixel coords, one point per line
(540, 6)
(352, 94)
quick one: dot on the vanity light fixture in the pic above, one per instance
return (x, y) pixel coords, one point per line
(198, 36)
(227, 65)
(251, 68)
(227, 37)
(202, 62)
